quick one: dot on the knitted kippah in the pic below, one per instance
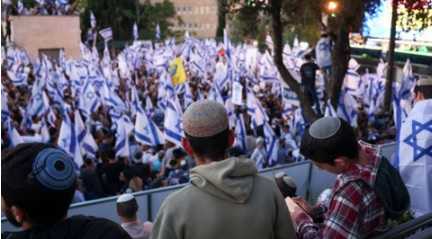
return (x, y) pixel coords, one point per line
(204, 119)
(54, 169)
(325, 127)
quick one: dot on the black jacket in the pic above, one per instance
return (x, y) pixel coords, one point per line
(75, 227)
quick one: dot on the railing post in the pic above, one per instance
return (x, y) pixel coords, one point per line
(309, 181)
(149, 207)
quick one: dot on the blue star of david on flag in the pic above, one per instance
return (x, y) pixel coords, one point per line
(411, 140)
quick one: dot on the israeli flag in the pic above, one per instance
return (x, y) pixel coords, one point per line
(347, 109)
(158, 33)
(149, 108)
(92, 20)
(135, 32)
(173, 128)
(68, 140)
(135, 102)
(255, 109)
(20, 8)
(237, 93)
(112, 99)
(5, 114)
(86, 141)
(240, 132)
(403, 95)
(106, 33)
(187, 97)
(272, 145)
(146, 131)
(89, 100)
(44, 132)
(123, 129)
(415, 156)
(323, 51)
(14, 136)
(215, 95)
(39, 103)
(329, 110)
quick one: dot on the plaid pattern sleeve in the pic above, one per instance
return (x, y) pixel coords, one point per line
(354, 212)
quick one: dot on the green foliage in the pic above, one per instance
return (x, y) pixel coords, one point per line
(244, 24)
(121, 15)
(414, 15)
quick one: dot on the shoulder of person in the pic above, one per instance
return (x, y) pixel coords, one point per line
(265, 184)
(94, 227)
(180, 197)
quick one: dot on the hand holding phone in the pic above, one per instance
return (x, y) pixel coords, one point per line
(296, 211)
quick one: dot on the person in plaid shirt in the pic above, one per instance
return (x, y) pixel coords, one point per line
(355, 209)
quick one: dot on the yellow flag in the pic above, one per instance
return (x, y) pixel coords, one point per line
(180, 74)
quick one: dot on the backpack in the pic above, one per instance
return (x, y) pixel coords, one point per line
(392, 191)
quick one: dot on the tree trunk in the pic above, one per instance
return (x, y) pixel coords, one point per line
(277, 29)
(391, 51)
(340, 57)
(222, 10)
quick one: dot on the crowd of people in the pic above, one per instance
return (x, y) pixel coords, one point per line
(39, 7)
(263, 115)
(199, 112)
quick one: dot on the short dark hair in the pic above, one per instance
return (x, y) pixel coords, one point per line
(342, 143)
(213, 147)
(42, 205)
(425, 89)
(127, 209)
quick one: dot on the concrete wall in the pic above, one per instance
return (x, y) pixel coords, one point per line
(47, 32)
(199, 17)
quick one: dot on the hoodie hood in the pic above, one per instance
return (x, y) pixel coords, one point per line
(231, 179)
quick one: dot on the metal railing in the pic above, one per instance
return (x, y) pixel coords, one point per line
(310, 182)
(309, 179)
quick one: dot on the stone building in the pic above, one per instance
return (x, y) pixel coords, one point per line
(47, 35)
(199, 17)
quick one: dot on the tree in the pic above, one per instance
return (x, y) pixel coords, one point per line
(121, 15)
(408, 15)
(349, 18)
(244, 24)
(222, 11)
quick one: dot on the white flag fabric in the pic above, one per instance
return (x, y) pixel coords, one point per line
(173, 123)
(124, 127)
(85, 139)
(68, 141)
(240, 132)
(323, 52)
(415, 156)
(146, 131)
(106, 33)
(135, 31)
(14, 136)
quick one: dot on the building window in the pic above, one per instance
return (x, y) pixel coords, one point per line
(52, 53)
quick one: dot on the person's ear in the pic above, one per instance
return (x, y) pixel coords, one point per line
(187, 147)
(341, 163)
(231, 138)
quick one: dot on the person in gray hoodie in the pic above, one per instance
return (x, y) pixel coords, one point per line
(226, 198)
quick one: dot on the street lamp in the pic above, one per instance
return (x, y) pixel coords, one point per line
(332, 6)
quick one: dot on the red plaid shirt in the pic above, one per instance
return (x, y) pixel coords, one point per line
(354, 210)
